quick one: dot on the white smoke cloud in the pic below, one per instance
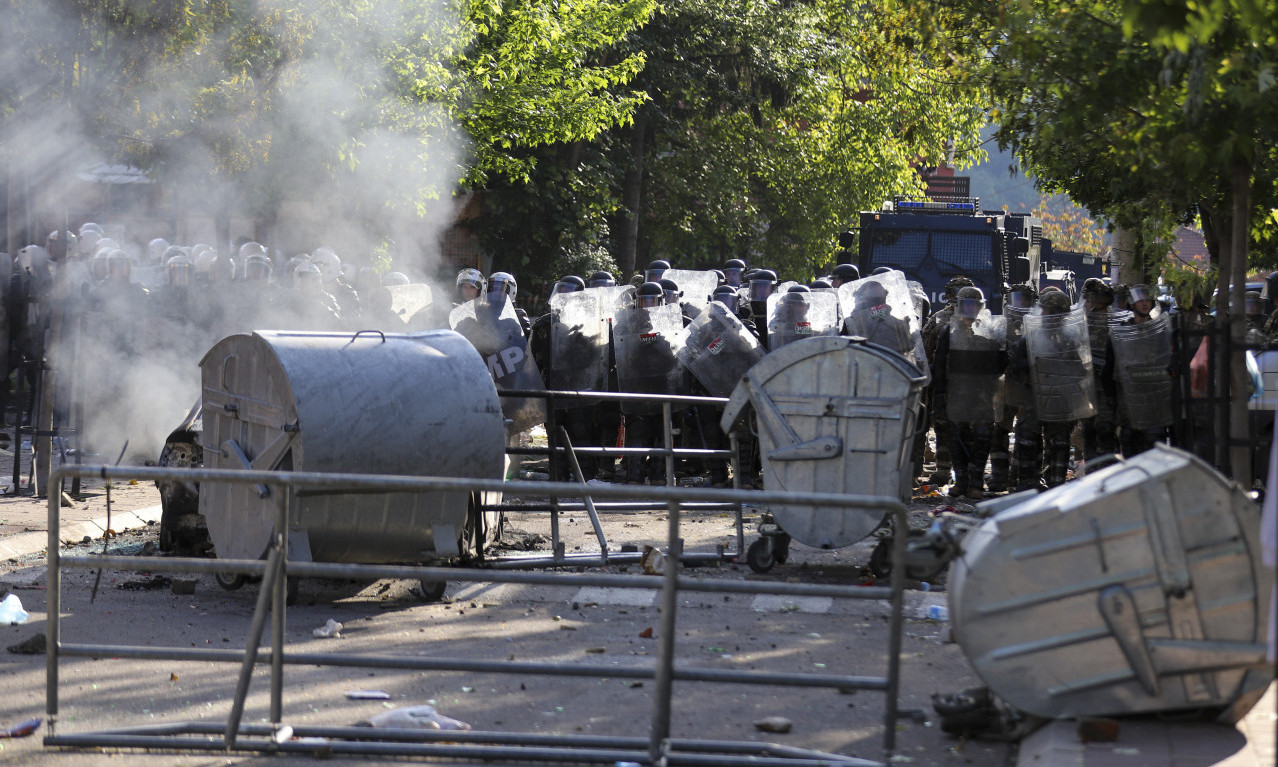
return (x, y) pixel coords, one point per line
(356, 168)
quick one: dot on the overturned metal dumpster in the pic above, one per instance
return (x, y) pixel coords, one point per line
(1137, 588)
(368, 403)
(835, 415)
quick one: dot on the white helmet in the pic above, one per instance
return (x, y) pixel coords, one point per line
(329, 264)
(155, 250)
(251, 248)
(179, 270)
(307, 277)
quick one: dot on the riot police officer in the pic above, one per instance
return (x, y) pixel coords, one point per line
(969, 361)
(1100, 435)
(1016, 391)
(943, 474)
(1056, 351)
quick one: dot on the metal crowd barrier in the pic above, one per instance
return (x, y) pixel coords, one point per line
(657, 748)
(560, 448)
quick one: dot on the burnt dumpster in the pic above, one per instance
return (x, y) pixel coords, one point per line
(1137, 588)
(835, 415)
(368, 403)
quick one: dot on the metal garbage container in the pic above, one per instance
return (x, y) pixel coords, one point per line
(368, 403)
(835, 415)
(1137, 588)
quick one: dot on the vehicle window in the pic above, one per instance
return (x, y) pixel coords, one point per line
(901, 249)
(961, 253)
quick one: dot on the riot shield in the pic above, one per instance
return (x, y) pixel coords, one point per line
(880, 309)
(647, 343)
(972, 369)
(795, 316)
(1060, 358)
(578, 342)
(411, 303)
(719, 350)
(1098, 337)
(1015, 393)
(697, 285)
(495, 332)
(1142, 356)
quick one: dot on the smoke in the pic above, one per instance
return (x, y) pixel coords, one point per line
(294, 125)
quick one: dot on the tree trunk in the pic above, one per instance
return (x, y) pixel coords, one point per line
(632, 199)
(1239, 430)
(1123, 256)
(1220, 354)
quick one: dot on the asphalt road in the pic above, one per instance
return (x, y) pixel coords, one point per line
(611, 630)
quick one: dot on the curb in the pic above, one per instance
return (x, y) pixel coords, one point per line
(24, 544)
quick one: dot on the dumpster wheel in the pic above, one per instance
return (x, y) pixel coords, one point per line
(432, 590)
(230, 581)
(760, 556)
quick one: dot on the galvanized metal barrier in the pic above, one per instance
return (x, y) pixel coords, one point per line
(656, 748)
(560, 448)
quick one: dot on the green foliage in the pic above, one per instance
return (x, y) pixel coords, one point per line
(1139, 109)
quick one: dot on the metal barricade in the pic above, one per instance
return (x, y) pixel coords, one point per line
(656, 748)
(560, 448)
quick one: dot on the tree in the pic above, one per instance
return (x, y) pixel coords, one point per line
(371, 108)
(1143, 113)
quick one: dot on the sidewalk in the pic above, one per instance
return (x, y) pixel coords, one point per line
(1159, 742)
(24, 519)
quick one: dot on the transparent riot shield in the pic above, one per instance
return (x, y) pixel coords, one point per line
(1142, 358)
(697, 285)
(972, 369)
(1015, 394)
(647, 344)
(879, 308)
(495, 332)
(1060, 357)
(410, 301)
(795, 316)
(578, 342)
(1098, 337)
(719, 350)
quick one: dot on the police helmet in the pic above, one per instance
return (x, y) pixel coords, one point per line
(156, 250)
(394, 278)
(472, 278)
(649, 294)
(845, 273)
(728, 296)
(119, 265)
(1141, 292)
(1252, 303)
(307, 277)
(820, 285)
(1022, 296)
(89, 226)
(734, 272)
(952, 287)
(570, 284)
(601, 280)
(761, 283)
(250, 247)
(179, 270)
(969, 302)
(882, 270)
(257, 268)
(655, 270)
(502, 285)
(1053, 301)
(329, 264)
(1099, 291)
(1270, 291)
(671, 289)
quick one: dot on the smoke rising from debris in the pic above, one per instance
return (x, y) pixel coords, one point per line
(299, 137)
